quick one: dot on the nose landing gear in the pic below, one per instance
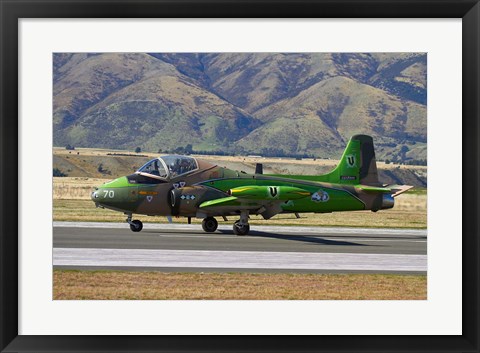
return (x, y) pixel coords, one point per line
(135, 225)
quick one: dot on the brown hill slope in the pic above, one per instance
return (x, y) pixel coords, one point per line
(137, 100)
(318, 118)
(242, 102)
(112, 164)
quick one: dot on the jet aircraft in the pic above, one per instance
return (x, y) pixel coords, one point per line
(175, 185)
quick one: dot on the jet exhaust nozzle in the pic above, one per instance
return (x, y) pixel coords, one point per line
(387, 201)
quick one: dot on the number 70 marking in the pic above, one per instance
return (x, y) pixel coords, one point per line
(108, 193)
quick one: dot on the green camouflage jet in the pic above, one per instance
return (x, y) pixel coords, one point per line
(184, 186)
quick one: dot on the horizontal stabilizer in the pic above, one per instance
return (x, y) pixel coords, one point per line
(373, 188)
(395, 190)
(224, 201)
(399, 189)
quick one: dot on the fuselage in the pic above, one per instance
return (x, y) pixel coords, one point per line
(180, 193)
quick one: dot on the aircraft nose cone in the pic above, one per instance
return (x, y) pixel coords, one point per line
(104, 197)
(103, 194)
(95, 197)
(116, 194)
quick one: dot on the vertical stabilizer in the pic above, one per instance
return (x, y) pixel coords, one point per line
(357, 165)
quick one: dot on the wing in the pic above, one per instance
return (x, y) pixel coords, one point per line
(223, 202)
(264, 200)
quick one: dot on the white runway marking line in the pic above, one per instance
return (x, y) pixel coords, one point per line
(237, 259)
(270, 229)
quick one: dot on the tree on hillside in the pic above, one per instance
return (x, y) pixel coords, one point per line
(69, 147)
(58, 173)
(138, 150)
(102, 170)
(179, 150)
(403, 153)
(188, 149)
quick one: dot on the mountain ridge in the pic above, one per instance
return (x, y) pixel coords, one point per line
(238, 103)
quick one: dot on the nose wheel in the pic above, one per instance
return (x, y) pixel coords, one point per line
(209, 224)
(135, 225)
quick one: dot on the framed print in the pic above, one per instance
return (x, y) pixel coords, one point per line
(54, 298)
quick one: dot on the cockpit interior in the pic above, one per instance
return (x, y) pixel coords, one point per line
(168, 167)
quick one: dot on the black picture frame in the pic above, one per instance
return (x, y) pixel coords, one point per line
(13, 10)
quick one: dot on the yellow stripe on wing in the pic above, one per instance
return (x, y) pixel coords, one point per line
(242, 189)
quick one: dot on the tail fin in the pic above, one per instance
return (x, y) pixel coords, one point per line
(357, 165)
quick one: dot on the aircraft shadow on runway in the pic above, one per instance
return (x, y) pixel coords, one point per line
(302, 238)
(255, 233)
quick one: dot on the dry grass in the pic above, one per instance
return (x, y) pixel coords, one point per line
(79, 188)
(411, 202)
(60, 151)
(85, 211)
(123, 285)
(75, 188)
(96, 151)
(71, 202)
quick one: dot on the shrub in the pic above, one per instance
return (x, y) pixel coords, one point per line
(100, 169)
(58, 173)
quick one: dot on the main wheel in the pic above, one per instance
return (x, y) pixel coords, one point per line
(209, 224)
(241, 229)
(136, 226)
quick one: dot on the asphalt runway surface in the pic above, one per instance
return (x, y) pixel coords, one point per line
(186, 248)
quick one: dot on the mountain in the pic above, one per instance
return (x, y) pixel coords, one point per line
(253, 103)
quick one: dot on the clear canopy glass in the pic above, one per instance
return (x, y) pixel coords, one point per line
(169, 166)
(154, 167)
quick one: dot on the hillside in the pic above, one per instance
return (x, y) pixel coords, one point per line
(110, 164)
(243, 103)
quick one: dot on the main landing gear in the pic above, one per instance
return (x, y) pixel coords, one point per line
(209, 224)
(241, 227)
(135, 225)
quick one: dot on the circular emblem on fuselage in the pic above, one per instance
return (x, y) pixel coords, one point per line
(320, 196)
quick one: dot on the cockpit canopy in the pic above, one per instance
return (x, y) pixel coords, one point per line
(168, 167)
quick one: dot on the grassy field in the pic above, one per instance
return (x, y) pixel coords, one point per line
(88, 168)
(85, 211)
(122, 285)
(110, 164)
(71, 202)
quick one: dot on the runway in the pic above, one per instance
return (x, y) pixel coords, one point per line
(180, 247)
